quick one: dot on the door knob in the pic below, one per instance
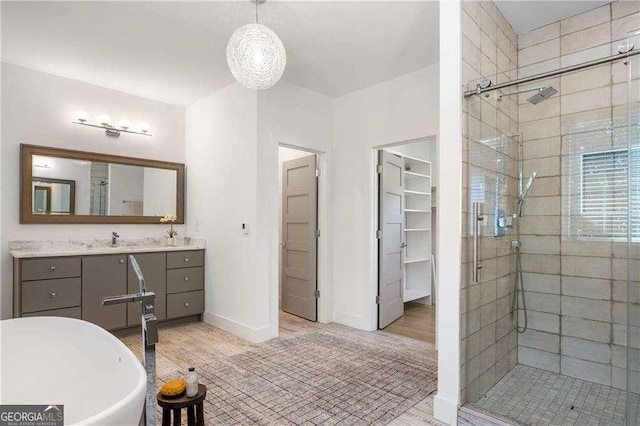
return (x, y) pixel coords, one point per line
(186, 304)
(121, 261)
(53, 268)
(186, 278)
(186, 259)
(53, 295)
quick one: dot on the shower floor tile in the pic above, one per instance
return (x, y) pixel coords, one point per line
(532, 396)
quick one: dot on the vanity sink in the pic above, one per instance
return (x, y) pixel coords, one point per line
(70, 362)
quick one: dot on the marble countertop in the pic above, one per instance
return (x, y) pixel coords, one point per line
(50, 248)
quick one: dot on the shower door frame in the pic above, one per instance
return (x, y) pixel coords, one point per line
(626, 58)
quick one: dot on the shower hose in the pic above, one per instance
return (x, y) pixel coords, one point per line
(519, 282)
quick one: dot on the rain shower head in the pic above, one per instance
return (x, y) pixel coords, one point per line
(543, 93)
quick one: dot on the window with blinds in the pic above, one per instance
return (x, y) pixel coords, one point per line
(598, 209)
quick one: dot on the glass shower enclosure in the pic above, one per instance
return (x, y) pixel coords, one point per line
(551, 244)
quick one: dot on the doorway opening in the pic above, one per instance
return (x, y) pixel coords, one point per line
(406, 220)
(299, 232)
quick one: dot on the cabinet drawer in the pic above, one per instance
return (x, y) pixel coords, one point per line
(51, 294)
(185, 259)
(50, 267)
(67, 312)
(185, 279)
(185, 304)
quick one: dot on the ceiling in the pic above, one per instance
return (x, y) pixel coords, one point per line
(175, 51)
(527, 15)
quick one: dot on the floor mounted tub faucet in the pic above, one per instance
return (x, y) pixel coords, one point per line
(149, 337)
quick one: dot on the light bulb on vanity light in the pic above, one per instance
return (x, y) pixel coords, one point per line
(82, 116)
(124, 124)
(105, 120)
(144, 127)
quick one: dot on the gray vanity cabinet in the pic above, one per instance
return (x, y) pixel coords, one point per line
(154, 269)
(185, 283)
(73, 286)
(45, 285)
(104, 276)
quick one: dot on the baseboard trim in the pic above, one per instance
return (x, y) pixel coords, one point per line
(254, 335)
(444, 410)
(351, 320)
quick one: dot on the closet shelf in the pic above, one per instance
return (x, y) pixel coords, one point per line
(416, 211)
(417, 230)
(418, 160)
(407, 192)
(408, 260)
(414, 175)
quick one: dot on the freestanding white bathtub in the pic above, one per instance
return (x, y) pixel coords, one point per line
(51, 360)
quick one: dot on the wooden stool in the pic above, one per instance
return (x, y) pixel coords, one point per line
(195, 410)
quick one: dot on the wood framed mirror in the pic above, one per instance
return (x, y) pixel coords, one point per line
(67, 186)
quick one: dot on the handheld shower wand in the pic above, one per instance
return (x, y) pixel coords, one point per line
(524, 191)
(527, 187)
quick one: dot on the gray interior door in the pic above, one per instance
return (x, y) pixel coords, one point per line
(390, 243)
(299, 224)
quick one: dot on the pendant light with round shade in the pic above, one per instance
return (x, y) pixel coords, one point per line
(256, 55)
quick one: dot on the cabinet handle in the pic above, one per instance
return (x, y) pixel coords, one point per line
(121, 261)
(186, 278)
(186, 304)
(53, 268)
(186, 259)
(53, 295)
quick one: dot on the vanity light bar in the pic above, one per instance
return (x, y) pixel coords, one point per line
(105, 123)
(110, 130)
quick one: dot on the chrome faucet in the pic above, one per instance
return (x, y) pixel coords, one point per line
(149, 336)
(114, 239)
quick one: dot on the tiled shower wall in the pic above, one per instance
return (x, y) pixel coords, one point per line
(99, 188)
(575, 289)
(489, 345)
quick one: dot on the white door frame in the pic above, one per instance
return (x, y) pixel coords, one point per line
(323, 254)
(373, 241)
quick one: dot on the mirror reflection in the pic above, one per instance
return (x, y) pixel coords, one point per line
(53, 196)
(65, 186)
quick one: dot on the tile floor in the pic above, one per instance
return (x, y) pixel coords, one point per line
(199, 344)
(532, 396)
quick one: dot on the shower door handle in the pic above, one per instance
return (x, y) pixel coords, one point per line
(477, 218)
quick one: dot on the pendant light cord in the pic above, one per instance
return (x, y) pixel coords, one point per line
(257, 12)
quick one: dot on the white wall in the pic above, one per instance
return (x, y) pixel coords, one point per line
(232, 157)
(221, 195)
(445, 404)
(38, 109)
(297, 117)
(402, 109)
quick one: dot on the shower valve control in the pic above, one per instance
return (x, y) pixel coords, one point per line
(505, 221)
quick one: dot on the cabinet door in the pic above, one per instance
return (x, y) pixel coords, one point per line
(154, 269)
(104, 276)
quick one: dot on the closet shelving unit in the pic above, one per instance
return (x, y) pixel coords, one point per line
(417, 211)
